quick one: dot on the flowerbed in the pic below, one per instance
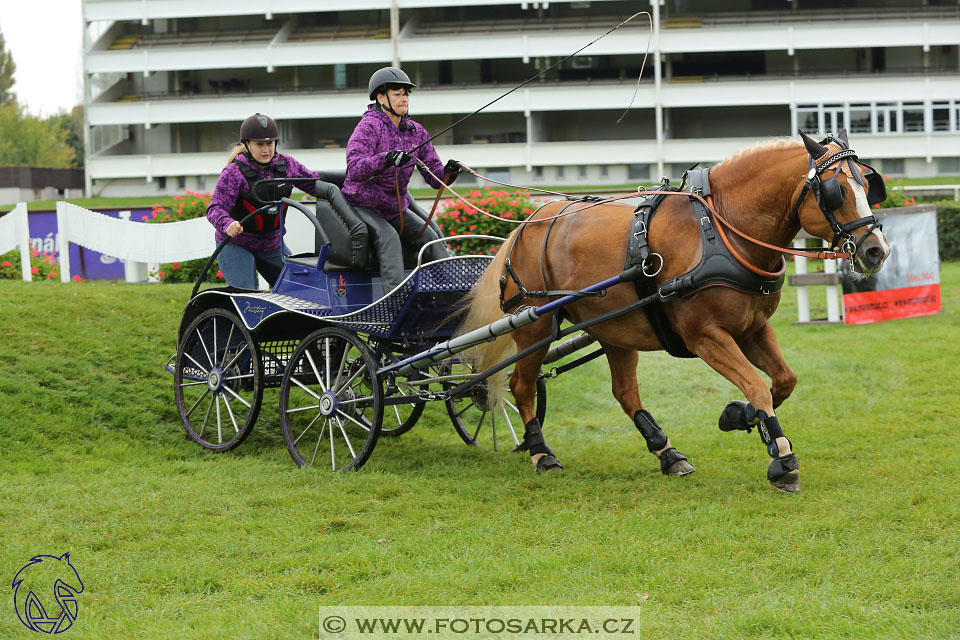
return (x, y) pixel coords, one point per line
(458, 218)
(179, 208)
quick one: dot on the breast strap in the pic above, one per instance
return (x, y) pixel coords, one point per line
(717, 267)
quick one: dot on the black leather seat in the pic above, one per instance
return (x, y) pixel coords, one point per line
(351, 248)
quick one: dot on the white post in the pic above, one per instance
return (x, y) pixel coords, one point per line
(64, 241)
(803, 293)
(134, 271)
(23, 235)
(833, 306)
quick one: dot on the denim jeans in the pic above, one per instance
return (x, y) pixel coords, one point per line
(240, 266)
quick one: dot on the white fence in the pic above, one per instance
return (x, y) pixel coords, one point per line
(139, 244)
(136, 243)
(803, 280)
(14, 234)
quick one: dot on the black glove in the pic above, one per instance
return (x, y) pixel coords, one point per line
(398, 158)
(452, 169)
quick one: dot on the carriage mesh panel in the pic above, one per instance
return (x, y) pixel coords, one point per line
(274, 355)
(451, 275)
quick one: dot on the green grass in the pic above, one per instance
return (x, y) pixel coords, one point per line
(174, 542)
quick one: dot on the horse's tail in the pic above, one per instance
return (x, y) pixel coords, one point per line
(482, 306)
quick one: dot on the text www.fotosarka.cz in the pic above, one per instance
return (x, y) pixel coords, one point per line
(478, 622)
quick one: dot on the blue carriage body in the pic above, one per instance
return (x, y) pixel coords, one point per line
(422, 310)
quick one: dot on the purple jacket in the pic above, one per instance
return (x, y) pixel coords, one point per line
(229, 187)
(369, 183)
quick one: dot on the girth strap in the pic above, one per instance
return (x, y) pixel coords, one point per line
(522, 291)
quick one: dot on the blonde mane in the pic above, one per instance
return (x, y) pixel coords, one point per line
(766, 145)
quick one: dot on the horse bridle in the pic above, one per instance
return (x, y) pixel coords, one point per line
(829, 195)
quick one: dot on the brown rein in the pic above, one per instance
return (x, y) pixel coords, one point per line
(816, 255)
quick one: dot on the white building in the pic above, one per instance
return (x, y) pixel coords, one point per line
(169, 81)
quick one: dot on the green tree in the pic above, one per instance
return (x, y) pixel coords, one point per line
(29, 141)
(7, 67)
(72, 124)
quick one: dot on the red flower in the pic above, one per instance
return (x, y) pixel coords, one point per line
(77, 279)
(526, 212)
(219, 274)
(161, 274)
(7, 264)
(175, 265)
(145, 217)
(34, 270)
(876, 206)
(470, 228)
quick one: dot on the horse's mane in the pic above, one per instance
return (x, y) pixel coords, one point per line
(761, 147)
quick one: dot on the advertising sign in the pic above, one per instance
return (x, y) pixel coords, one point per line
(908, 285)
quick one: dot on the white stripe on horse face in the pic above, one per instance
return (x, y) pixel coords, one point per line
(863, 210)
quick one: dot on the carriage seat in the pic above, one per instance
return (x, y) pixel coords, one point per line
(351, 246)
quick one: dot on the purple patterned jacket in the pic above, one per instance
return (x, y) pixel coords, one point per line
(229, 187)
(368, 183)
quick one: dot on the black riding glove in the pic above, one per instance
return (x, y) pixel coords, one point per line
(452, 169)
(398, 158)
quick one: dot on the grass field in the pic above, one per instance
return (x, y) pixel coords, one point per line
(174, 542)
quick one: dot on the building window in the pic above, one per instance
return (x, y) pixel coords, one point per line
(912, 118)
(941, 117)
(502, 174)
(604, 171)
(638, 172)
(181, 182)
(949, 166)
(582, 171)
(538, 172)
(201, 183)
(162, 183)
(860, 118)
(560, 172)
(893, 166)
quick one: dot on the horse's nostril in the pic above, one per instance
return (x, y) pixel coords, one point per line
(875, 253)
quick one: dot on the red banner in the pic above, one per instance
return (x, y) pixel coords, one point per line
(889, 304)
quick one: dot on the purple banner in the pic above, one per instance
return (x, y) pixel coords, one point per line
(88, 264)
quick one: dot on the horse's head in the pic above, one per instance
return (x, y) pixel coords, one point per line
(841, 191)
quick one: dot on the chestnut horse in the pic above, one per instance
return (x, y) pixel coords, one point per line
(769, 192)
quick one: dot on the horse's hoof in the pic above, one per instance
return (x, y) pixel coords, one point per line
(674, 463)
(784, 473)
(547, 464)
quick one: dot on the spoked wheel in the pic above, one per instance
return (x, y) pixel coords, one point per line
(331, 402)
(482, 425)
(217, 380)
(399, 417)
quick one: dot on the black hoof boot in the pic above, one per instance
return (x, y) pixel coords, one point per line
(737, 416)
(674, 463)
(784, 473)
(547, 463)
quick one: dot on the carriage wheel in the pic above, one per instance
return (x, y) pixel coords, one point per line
(400, 418)
(480, 425)
(217, 380)
(331, 402)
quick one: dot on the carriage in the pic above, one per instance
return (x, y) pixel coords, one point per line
(328, 338)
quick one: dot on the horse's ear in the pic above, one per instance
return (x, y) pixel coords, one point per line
(814, 148)
(842, 137)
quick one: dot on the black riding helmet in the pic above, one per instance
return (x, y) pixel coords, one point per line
(385, 78)
(260, 128)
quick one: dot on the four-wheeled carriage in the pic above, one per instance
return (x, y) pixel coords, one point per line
(328, 339)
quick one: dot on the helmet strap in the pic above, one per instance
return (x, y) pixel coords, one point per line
(388, 107)
(257, 162)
